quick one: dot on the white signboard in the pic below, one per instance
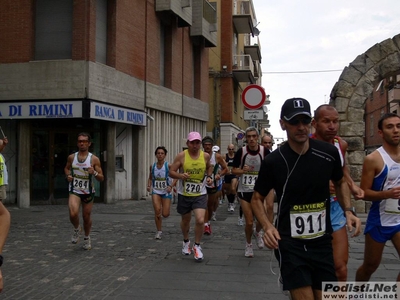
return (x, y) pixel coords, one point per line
(257, 114)
(112, 113)
(41, 110)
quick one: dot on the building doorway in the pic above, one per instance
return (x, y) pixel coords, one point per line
(50, 149)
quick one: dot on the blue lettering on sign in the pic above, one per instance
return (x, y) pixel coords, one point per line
(51, 110)
(121, 115)
(15, 110)
(135, 118)
(104, 112)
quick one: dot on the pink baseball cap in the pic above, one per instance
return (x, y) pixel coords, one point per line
(192, 136)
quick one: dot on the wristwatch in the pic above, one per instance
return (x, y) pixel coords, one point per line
(352, 210)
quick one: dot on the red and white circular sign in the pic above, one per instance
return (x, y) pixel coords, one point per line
(253, 96)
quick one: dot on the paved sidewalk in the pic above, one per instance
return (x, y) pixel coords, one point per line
(126, 262)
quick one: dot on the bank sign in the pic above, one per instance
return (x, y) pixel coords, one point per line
(41, 110)
(112, 113)
(72, 109)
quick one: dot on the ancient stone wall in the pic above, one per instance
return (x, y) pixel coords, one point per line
(350, 93)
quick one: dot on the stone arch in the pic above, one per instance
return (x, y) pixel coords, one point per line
(350, 93)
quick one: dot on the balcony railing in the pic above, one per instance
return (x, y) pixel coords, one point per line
(243, 62)
(242, 8)
(243, 68)
(181, 8)
(209, 12)
(204, 22)
(243, 17)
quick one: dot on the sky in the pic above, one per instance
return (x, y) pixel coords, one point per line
(316, 35)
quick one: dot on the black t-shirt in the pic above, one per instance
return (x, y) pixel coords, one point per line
(229, 160)
(301, 186)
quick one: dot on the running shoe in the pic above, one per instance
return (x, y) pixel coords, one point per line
(248, 252)
(214, 216)
(240, 221)
(158, 235)
(258, 237)
(232, 208)
(75, 235)
(198, 254)
(207, 229)
(86, 243)
(186, 248)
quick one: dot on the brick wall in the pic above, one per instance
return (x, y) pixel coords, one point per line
(226, 59)
(133, 42)
(16, 31)
(374, 108)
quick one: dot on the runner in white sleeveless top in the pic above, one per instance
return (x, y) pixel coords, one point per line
(380, 180)
(216, 160)
(160, 185)
(81, 169)
(246, 164)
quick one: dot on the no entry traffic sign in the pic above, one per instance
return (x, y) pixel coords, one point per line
(253, 96)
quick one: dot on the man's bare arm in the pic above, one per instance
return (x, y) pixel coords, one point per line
(343, 196)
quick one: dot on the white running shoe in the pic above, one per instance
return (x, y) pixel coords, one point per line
(258, 237)
(240, 221)
(186, 248)
(198, 254)
(158, 235)
(214, 216)
(75, 235)
(87, 245)
(248, 252)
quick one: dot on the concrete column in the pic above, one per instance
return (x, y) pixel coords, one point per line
(109, 165)
(139, 169)
(24, 164)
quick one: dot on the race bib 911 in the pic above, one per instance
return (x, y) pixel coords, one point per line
(308, 221)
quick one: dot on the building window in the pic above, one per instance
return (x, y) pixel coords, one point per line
(101, 31)
(53, 29)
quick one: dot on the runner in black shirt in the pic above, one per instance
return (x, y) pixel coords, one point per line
(300, 171)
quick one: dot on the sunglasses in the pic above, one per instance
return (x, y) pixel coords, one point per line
(304, 121)
(231, 149)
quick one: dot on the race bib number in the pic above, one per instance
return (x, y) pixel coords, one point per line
(81, 184)
(308, 221)
(160, 184)
(392, 206)
(249, 180)
(192, 188)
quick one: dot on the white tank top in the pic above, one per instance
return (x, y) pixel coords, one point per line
(82, 182)
(248, 179)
